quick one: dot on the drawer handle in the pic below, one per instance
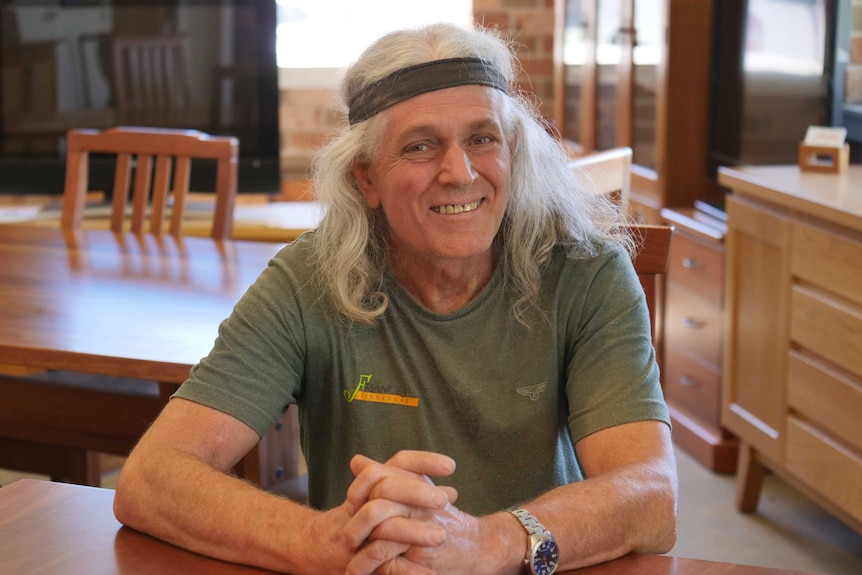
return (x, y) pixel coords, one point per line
(692, 323)
(689, 381)
(692, 264)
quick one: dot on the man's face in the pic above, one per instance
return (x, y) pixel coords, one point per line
(442, 175)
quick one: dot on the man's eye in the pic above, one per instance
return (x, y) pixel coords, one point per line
(482, 140)
(414, 148)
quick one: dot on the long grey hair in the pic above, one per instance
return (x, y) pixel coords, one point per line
(548, 204)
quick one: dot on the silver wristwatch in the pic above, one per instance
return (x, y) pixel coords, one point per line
(542, 554)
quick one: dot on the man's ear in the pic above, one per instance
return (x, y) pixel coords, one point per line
(362, 175)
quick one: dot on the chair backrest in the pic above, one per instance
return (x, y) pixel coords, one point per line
(169, 151)
(608, 171)
(151, 86)
(650, 261)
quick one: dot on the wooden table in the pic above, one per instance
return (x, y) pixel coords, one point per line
(114, 305)
(274, 221)
(54, 528)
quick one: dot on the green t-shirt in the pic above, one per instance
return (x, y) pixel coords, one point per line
(507, 403)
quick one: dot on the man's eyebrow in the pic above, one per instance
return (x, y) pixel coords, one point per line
(420, 130)
(487, 124)
(429, 129)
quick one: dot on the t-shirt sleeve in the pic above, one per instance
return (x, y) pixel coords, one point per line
(612, 375)
(255, 367)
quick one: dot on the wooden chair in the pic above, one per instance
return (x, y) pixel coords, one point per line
(170, 151)
(150, 79)
(112, 413)
(608, 171)
(650, 263)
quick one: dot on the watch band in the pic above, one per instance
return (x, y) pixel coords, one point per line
(529, 521)
(542, 556)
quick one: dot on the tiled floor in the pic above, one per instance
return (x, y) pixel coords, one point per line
(787, 532)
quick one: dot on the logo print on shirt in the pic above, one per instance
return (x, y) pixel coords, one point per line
(533, 391)
(360, 394)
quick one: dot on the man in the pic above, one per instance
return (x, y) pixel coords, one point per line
(466, 340)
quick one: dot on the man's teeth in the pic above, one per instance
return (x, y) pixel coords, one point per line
(456, 209)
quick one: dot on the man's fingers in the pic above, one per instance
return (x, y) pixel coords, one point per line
(390, 480)
(368, 517)
(408, 491)
(411, 532)
(418, 462)
(384, 558)
(373, 555)
(424, 462)
(451, 493)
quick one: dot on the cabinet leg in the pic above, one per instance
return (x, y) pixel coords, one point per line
(749, 479)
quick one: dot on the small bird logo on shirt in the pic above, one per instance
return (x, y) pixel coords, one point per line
(533, 391)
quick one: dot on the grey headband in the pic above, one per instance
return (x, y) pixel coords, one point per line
(411, 81)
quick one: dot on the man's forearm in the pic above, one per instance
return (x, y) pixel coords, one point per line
(186, 502)
(631, 509)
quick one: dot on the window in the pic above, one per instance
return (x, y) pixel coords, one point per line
(786, 36)
(330, 34)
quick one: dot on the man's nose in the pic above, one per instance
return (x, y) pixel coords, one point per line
(456, 169)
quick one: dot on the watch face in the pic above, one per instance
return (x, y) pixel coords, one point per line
(545, 558)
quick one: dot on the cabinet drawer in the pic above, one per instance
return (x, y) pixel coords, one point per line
(828, 326)
(828, 260)
(693, 324)
(825, 465)
(692, 385)
(643, 213)
(830, 397)
(697, 267)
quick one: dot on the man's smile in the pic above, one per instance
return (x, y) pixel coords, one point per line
(456, 208)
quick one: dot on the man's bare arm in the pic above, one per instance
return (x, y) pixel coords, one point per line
(175, 486)
(628, 502)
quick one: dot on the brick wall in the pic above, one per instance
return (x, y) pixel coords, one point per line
(530, 23)
(308, 116)
(853, 85)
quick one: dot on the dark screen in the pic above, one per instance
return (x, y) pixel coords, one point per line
(771, 78)
(208, 65)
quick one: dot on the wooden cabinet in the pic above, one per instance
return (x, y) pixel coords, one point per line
(793, 348)
(692, 343)
(758, 284)
(636, 73)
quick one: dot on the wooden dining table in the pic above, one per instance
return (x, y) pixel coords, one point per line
(132, 307)
(62, 529)
(254, 218)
